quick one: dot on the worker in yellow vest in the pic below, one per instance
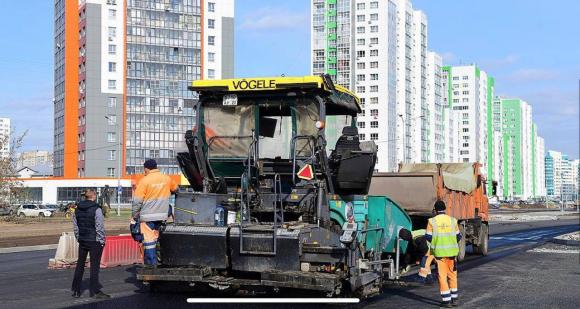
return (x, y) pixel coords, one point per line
(443, 233)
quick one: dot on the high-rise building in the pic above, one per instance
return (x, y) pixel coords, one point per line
(34, 158)
(354, 42)
(378, 49)
(121, 74)
(561, 176)
(540, 168)
(5, 134)
(434, 145)
(517, 132)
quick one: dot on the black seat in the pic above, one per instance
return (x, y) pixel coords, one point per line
(352, 167)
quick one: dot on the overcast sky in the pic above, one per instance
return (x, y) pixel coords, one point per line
(532, 48)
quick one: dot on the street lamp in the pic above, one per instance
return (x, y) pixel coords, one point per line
(119, 190)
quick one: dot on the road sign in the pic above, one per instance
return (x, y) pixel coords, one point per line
(120, 189)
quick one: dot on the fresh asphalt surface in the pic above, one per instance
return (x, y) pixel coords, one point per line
(509, 277)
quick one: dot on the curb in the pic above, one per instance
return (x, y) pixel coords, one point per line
(27, 248)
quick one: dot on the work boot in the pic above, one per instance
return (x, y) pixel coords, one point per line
(445, 304)
(101, 295)
(454, 302)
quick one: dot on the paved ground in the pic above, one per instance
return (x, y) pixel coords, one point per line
(509, 277)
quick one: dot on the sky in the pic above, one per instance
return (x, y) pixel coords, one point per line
(531, 48)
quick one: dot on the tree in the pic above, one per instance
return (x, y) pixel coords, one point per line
(10, 185)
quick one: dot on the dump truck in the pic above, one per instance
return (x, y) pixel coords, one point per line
(416, 188)
(278, 194)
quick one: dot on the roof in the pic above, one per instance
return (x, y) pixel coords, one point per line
(338, 95)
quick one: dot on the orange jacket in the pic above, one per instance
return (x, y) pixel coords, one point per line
(151, 198)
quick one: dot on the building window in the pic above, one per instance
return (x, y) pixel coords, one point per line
(211, 6)
(374, 76)
(360, 78)
(360, 18)
(112, 155)
(360, 30)
(112, 120)
(112, 13)
(374, 29)
(374, 112)
(112, 102)
(374, 52)
(465, 77)
(375, 41)
(112, 67)
(455, 77)
(374, 5)
(112, 84)
(211, 57)
(465, 85)
(111, 137)
(360, 42)
(211, 40)
(360, 65)
(375, 88)
(360, 124)
(374, 100)
(360, 89)
(360, 54)
(361, 136)
(466, 92)
(112, 32)
(374, 124)
(111, 172)
(374, 16)
(374, 64)
(465, 144)
(374, 136)
(360, 6)
(465, 100)
(211, 23)
(465, 129)
(211, 74)
(455, 92)
(112, 49)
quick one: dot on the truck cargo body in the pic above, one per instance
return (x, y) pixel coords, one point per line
(416, 188)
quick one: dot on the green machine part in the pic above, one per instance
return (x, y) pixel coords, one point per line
(382, 217)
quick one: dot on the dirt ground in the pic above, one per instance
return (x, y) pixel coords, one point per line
(18, 232)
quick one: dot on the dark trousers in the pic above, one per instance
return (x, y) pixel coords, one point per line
(96, 250)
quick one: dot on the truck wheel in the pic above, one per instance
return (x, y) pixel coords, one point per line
(461, 255)
(481, 248)
(41, 215)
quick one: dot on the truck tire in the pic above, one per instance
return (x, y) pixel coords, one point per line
(481, 248)
(461, 255)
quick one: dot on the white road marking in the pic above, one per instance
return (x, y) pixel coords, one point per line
(546, 250)
(273, 300)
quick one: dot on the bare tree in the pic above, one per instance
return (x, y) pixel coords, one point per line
(10, 185)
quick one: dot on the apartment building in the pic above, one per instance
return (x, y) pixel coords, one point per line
(122, 69)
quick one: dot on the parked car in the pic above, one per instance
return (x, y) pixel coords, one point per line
(31, 210)
(4, 210)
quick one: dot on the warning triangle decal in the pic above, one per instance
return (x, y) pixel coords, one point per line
(306, 172)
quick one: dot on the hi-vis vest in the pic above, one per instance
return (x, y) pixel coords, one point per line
(444, 241)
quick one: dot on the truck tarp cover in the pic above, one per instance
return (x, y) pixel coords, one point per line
(456, 176)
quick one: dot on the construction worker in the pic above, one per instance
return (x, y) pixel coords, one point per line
(151, 207)
(89, 231)
(422, 247)
(443, 233)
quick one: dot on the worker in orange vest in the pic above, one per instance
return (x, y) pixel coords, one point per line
(443, 234)
(151, 207)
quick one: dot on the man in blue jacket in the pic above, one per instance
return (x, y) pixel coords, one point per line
(90, 233)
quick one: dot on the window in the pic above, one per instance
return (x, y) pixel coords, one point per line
(361, 136)
(375, 88)
(211, 6)
(466, 122)
(112, 13)
(112, 2)
(360, 29)
(112, 119)
(455, 92)
(465, 144)
(112, 32)
(362, 101)
(211, 40)
(360, 89)
(465, 77)
(465, 129)
(211, 23)
(112, 67)
(374, 112)
(374, 76)
(455, 86)
(374, 136)
(374, 16)
(111, 172)
(211, 74)
(360, 6)
(112, 102)
(112, 84)
(374, 5)
(374, 52)
(360, 78)
(465, 85)
(211, 57)
(360, 53)
(111, 137)
(112, 49)
(374, 64)
(455, 100)
(360, 41)
(360, 65)
(375, 41)
(374, 100)
(465, 92)
(112, 155)
(455, 77)
(374, 29)
(360, 124)
(465, 100)
(360, 18)
(374, 124)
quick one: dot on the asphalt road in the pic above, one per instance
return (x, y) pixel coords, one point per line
(509, 277)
